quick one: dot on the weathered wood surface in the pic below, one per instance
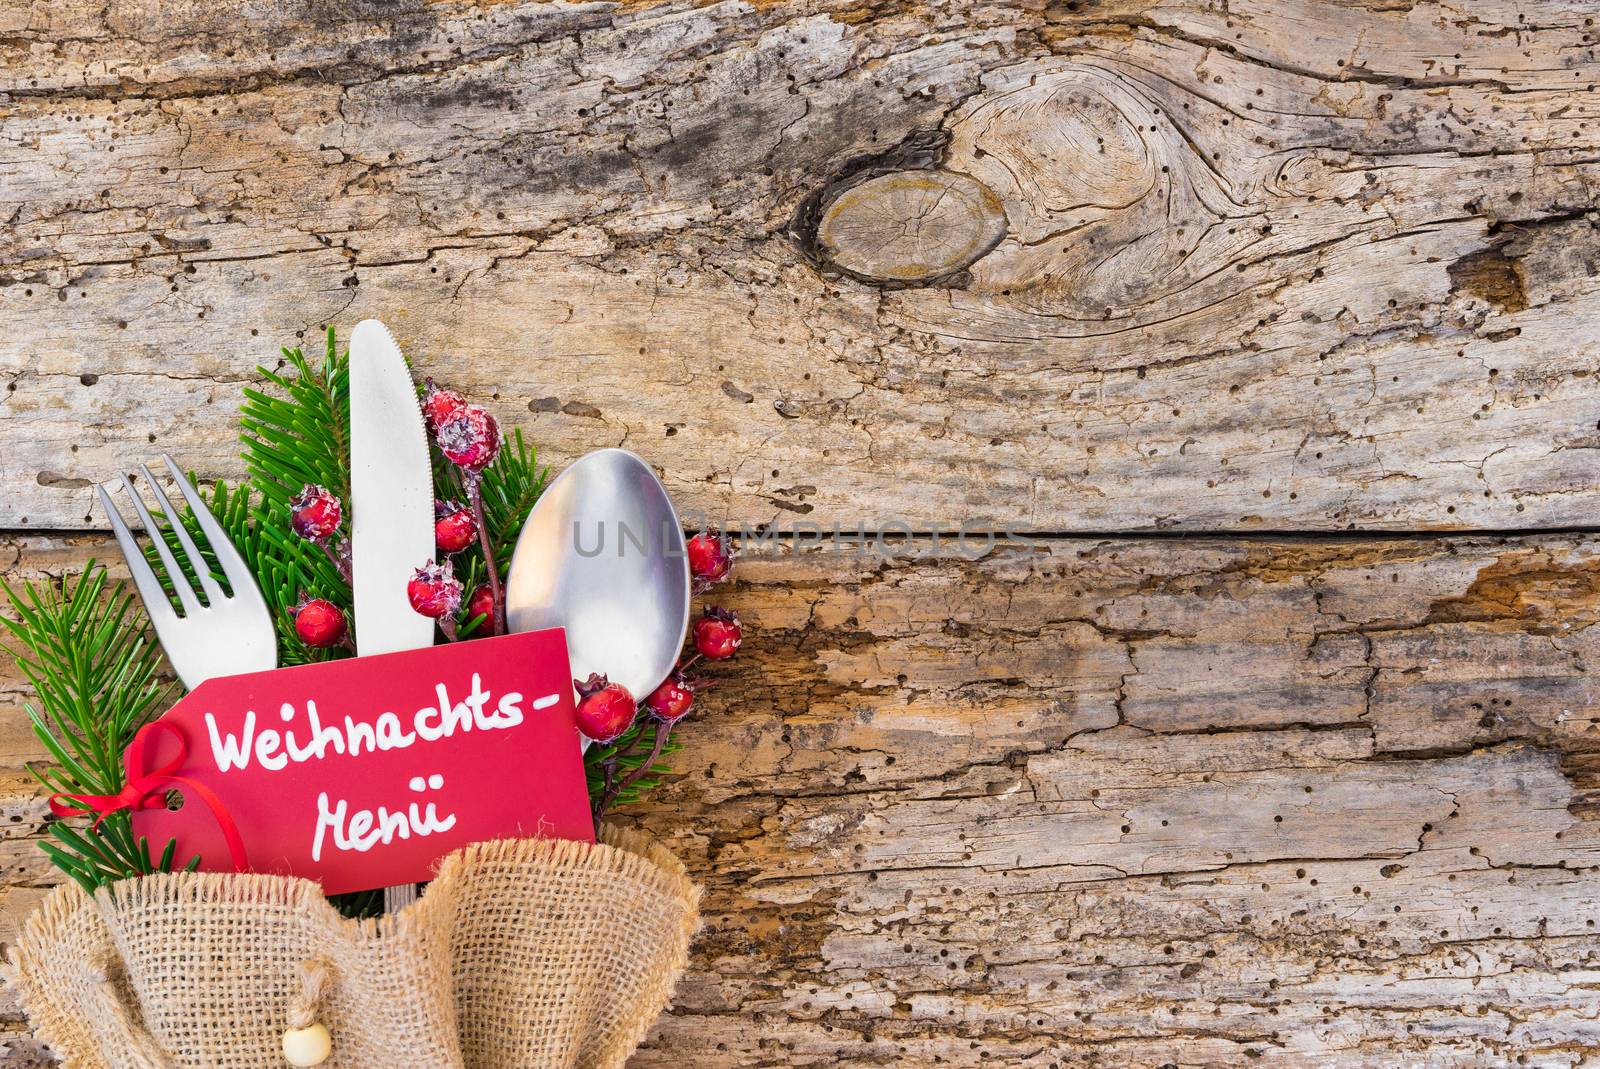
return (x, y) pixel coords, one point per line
(1268, 265)
(1131, 803)
(1258, 266)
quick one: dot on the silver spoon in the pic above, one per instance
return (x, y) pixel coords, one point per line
(602, 555)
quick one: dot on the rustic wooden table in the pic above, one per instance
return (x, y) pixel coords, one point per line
(1277, 321)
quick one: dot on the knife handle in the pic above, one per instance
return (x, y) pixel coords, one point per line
(399, 897)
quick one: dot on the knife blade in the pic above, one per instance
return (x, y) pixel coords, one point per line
(391, 501)
(391, 493)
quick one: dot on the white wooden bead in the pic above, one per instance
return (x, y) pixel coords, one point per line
(305, 1047)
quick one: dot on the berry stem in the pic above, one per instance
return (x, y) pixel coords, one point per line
(340, 558)
(661, 733)
(475, 499)
(610, 768)
(632, 745)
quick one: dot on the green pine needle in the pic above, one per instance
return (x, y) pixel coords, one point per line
(597, 755)
(95, 668)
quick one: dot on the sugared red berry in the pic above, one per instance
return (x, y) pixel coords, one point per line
(470, 439)
(710, 556)
(314, 513)
(717, 634)
(454, 529)
(481, 603)
(434, 590)
(319, 623)
(440, 406)
(671, 701)
(605, 709)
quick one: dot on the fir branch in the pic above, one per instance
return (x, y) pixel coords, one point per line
(511, 487)
(292, 437)
(630, 756)
(301, 437)
(95, 668)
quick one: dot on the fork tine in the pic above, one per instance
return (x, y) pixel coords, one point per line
(202, 570)
(233, 566)
(155, 599)
(186, 594)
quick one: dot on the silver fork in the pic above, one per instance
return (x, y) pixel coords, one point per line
(222, 636)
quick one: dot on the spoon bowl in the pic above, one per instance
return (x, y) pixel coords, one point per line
(603, 555)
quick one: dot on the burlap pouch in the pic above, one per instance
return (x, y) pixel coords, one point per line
(522, 954)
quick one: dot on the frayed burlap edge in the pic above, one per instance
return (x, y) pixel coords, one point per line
(624, 853)
(25, 966)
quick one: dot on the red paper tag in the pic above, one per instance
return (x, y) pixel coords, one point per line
(363, 772)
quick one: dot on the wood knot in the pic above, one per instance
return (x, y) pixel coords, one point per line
(909, 227)
(897, 218)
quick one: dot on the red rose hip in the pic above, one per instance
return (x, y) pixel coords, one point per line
(469, 439)
(671, 701)
(710, 556)
(717, 634)
(440, 406)
(434, 590)
(605, 709)
(454, 529)
(481, 603)
(319, 623)
(314, 513)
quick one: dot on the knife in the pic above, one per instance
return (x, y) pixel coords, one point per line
(391, 494)
(391, 504)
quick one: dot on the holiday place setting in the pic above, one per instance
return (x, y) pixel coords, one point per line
(405, 657)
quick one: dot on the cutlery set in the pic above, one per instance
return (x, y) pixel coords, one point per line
(602, 554)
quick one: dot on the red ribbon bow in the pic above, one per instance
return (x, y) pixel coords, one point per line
(148, 790)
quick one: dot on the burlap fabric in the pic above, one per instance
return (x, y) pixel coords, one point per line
(522, 954)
